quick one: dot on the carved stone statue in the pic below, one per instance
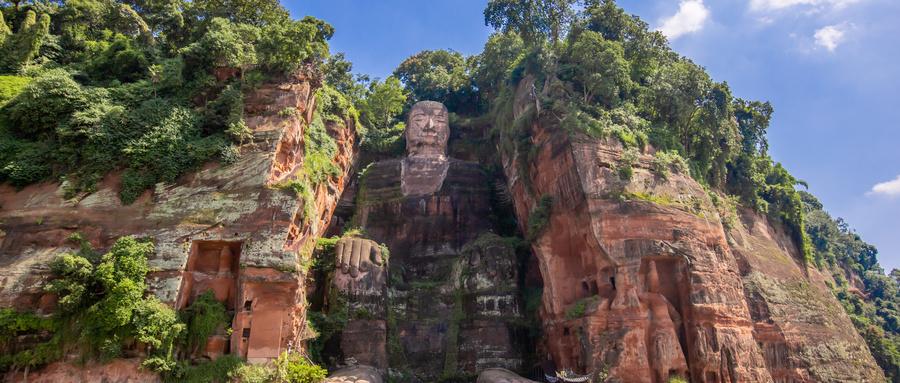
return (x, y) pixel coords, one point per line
(427, 130)
(355, 255)
(361, 277)
(665, 353)
(425, 167)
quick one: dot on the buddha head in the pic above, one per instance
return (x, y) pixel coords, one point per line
(427, 130)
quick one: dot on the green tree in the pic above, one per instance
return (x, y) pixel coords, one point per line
(384, 103)
(713, 138)
(287, 46)
(339, 74)
(599, 67)
(493, 67)
(225, 44)
(22, 47)
(533, 20)
(753, 121)
(379, 111)
(646, 50)
(439, 75)
(254, 12)
(670, 101)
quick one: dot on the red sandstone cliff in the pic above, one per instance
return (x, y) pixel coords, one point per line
(224, 227)
(643, 280)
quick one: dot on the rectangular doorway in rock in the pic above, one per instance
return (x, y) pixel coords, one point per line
(211, 265)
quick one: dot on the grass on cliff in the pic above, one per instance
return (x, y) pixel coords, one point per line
(539, 218)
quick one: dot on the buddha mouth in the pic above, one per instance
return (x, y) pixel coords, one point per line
(428, 132)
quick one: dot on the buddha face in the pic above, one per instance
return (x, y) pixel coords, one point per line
(427, 130)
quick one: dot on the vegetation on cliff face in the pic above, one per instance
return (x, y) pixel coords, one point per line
(102, 310)
(870, 297)
(154, 89)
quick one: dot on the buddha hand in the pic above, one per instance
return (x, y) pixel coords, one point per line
(355, 255)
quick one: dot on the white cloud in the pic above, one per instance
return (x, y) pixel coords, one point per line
(830, 37)
(690, 18)
(776, 5)
(889, 188)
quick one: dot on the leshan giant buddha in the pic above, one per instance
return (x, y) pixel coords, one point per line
(449, 306)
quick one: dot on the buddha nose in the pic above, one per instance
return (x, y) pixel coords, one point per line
(430, 124)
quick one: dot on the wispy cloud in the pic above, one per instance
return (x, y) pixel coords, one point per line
(889, 188)
(830, 37)
(690, 18)
(776, 5)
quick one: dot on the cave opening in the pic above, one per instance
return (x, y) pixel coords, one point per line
(212, 266)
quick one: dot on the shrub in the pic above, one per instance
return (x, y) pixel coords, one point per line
(101, 305)
(225, 110)
(320, 151)
(626, 163)
(203, 318)
(295, 368)
(251, 373)
(43, 104)
(219, 370)
(539, 217)
(22, 162)
(664, 161)
(121, 60)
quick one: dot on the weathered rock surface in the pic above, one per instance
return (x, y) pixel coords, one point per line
(499, 375)
(803, 332)
(223, 228)
(644, 279)
(355, 374)
(641, 280)
(453, 297)
(116, 371)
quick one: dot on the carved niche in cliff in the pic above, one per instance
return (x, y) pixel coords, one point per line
(451, 307)
(211, 266)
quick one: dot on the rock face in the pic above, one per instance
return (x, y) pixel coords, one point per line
(452, 295)
(644, 278)
(499, 375)
(642, 281)
(803, 332)
(116, 371)
(355, 374)
(228, 229)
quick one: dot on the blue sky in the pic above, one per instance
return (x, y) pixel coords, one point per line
(830, 68)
